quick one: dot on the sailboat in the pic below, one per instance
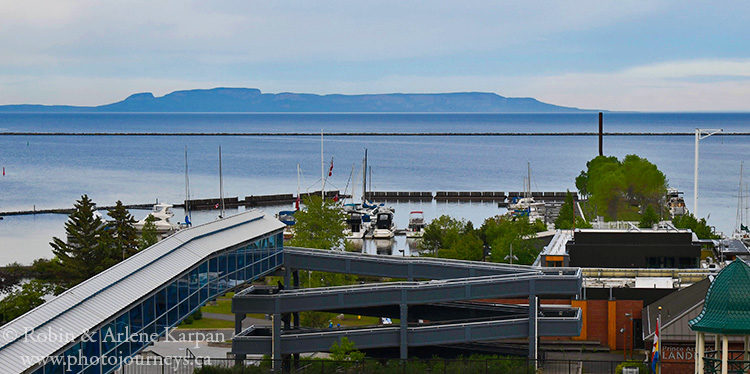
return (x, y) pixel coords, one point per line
(526, 206)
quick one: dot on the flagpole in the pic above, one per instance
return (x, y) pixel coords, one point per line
(322, 169)
(658, 347)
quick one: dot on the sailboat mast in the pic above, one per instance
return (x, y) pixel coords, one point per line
(364, 178)
(528, 178)
(298, 181)
(739, 201)
(187, 188)
(221, 186)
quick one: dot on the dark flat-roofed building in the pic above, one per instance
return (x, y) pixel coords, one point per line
(641, 248)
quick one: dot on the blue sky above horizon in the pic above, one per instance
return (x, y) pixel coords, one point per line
(615, 55)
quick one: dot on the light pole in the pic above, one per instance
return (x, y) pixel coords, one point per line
(700, 134)
(630, 317)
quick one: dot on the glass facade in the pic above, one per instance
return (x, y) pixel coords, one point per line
(104, 349)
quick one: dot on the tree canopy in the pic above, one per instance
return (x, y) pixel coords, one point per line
(502, 233)
(701, 229)
(621, 190)
(320, 224)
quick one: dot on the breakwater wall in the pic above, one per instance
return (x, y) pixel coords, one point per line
(559, 133)
(278, 199)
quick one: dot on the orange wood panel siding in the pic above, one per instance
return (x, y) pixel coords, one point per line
(612, 324)
(584, 326)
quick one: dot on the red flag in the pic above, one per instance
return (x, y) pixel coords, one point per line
(296, 203)
(216, 206)
(336, 198)
(330, 170)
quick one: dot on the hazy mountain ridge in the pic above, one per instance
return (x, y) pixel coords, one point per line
(253, 100)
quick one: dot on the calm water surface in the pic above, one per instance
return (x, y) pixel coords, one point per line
(47, 171)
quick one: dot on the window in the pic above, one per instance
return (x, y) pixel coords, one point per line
(173, 295)
(136, 318)
(161, 302)
(148, 310)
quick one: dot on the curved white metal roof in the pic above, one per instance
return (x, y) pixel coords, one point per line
(93, 302)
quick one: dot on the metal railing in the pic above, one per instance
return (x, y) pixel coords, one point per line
(512, 365)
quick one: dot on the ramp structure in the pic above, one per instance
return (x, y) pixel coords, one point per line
(441, 300)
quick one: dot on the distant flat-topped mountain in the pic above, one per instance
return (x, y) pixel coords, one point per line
(252, 100)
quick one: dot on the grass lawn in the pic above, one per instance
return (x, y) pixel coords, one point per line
(351, 320)
(208, 323)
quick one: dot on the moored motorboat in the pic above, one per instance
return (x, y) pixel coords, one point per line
(161, 214)
(289, 220)
(415, 229)
(384, 227)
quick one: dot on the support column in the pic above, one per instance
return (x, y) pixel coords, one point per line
(717, 344)
(700, 352)
(295, 315)
(533, 313)
(403, 324)
(276, 341)
(238, 318)
(724, 354)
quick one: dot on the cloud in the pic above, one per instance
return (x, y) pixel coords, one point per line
(125, 32)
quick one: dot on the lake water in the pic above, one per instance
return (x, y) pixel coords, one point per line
(52, 172)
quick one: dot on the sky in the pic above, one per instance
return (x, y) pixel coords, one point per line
(615, 55)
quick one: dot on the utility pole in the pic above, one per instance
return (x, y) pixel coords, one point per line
(700, 134)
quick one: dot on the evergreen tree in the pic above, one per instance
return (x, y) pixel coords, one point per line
(86, 251)
(149, 235)
(121, 230)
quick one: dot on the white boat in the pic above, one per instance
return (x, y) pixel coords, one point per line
(415, 229)
(384, 227)
(161, 213)
(526, 206)
(356, 228)
(675, 202)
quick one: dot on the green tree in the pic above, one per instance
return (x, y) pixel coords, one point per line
(567, 218)
(86, 251)
(320, 224)
(699, 227)
(503, 233)
(649, 218)
(149, 235)
(24, 299)
(620, 190)
(447, 237)
(345, 350)
(10, 276)
(124, 235)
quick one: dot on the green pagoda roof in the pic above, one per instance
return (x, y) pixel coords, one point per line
(726, 309)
